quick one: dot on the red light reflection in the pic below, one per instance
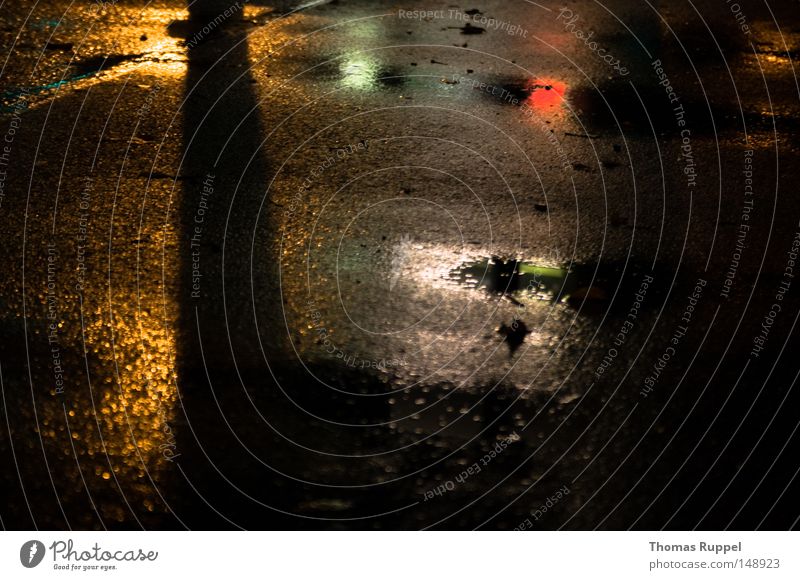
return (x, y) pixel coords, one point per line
(545, 94)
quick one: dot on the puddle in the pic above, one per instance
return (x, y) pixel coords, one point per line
(45, 23)
(519, 90)
(540, 97)
(584, 286)
(11, 97)
(601, 110)
(510, 277)
(538, 93)
(469, 29)
(364, 73)
(82, 69)
(97, 64)
(615, 106)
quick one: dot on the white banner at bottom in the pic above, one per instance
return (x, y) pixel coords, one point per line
(400, 555)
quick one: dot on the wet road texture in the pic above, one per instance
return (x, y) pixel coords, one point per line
(357, 264)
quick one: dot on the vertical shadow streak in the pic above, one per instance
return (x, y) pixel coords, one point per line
(220, 200)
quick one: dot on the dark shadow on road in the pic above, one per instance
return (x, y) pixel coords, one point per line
(227, 176)
(245, 418)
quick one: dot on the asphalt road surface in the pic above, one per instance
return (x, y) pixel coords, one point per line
(358, 264)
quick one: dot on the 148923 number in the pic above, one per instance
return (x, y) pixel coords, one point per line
(762, 563)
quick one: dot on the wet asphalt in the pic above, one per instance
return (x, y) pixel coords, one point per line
(378, 265)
